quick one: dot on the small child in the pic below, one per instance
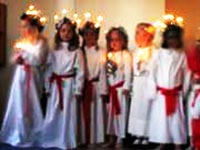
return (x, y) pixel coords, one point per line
(66, 77)
(169, 73)
(23, 117)
(119, 80)
(138, 119)
(95, 90)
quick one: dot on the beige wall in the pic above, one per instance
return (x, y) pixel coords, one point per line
(126, 13)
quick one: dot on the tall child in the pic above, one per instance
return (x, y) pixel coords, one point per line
(23, 117)
(138, 119)
(66, 79)
(119, 80)
(95, 90)
(169, 75)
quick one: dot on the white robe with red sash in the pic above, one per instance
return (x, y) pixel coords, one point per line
(96, 85)
(168, 73)
(140, 106)
(118, 117)
(60, 125)
(23, 117)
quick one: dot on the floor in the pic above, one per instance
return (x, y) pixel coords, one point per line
(7, 147)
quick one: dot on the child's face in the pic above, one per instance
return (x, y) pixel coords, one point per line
(173, 43)
(116, 43)
(26, 29)
(66, 32)
(143, 38)
(90, 38)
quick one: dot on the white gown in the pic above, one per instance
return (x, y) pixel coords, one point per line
(95, 59)
(140, 106)
(23, 117)
(117, 124)
(168, 70)
(60, 125)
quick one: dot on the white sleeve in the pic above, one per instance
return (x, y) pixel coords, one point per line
(127, 70)
(151, 81)
(48, 71)
(80, 73)
(102, 77)
(186, 79)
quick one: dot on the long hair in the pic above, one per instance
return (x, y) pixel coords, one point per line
(173, 32)
(74, 42)
(123, 36)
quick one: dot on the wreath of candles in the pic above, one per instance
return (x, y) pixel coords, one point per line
(35, 14)
(77, 19)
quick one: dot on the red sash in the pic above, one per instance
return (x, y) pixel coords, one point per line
(59, 80)
(196, 132)
(88, 98)
(115, 104)
(171, 96)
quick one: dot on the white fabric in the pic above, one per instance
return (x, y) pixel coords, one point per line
(19, 126)
(140, 106)
(60, 126)
(117, 124)
(169, 70)
(195, 111)
(96, 69)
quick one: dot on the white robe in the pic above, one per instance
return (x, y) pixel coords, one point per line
(140, 106)
(195, 111)
(23, 117)
(169, 69)
(117, 124)
(60, 126)
(95, 60)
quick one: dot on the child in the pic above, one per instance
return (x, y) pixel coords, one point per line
(193, 57)
(138, 119)
(23, 116)
(66, 85)
(119, 80)
(169, 75)
(96, 89)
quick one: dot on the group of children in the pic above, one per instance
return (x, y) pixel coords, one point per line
(93, 92)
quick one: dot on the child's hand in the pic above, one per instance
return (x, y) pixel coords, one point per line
(126, 93)
(20, 60)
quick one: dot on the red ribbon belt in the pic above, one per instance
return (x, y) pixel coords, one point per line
(59, 80)
(196, 132)
(171, 96)
(88, 98)
(197, 92)
(115, 104)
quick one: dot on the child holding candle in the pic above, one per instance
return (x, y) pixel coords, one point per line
(170, 76)
(119, 80)
(95, 90)
(23, 117)
(66, 78)
(138, 119)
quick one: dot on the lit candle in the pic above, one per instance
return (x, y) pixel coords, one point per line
(87, 16)
(56, 18)
(179, 21)
(31, 7)
(75, 16)
(78, 21)
(110, 55)
(64, 12)
(43, 20)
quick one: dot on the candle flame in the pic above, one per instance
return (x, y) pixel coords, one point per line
(110, 55)
(87, 15)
